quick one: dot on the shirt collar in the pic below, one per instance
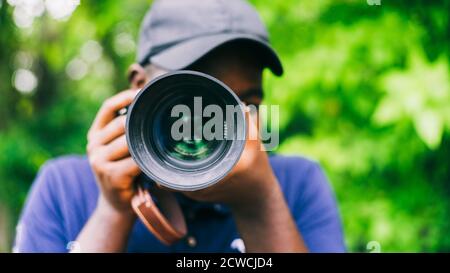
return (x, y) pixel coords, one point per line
(196, 207)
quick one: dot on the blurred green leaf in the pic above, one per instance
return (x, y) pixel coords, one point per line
(430, 127)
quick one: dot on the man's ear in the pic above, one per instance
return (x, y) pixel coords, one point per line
(137, 76)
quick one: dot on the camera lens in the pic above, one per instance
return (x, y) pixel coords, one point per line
(188, 148)
(192, 160)
(192, 149)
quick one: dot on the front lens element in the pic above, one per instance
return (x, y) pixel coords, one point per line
(192, 148)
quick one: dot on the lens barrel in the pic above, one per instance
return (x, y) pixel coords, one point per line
(186, 130)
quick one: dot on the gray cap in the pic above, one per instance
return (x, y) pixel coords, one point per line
(176, 33)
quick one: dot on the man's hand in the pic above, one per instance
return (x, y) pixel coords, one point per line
(108, 153)
(256, 200)
(249, 181)
(111, 222)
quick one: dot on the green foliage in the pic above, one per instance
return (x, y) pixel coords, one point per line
(366, 92)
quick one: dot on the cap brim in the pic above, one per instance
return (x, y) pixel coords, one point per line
(186, 53)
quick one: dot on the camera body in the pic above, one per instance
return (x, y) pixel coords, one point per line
(186, 130)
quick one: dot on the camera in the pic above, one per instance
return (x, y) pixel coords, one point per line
(186, 130)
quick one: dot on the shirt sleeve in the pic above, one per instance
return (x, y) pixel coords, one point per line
(316, 213)
(41, 227)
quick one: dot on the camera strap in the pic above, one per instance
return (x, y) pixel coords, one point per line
(165, 221)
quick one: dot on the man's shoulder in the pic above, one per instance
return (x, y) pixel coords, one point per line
(311, 200)
(62, 196)
(292, 166)
(68, 165)
(300, 178)
(68, 172)
(68, 161)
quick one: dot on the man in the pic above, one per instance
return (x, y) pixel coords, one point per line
(266, 204)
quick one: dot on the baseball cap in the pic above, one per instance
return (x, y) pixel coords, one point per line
(176, 33)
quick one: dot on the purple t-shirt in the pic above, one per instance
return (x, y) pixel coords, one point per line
(64, 195)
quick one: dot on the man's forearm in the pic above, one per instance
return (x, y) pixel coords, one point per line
(268, 226)
(106, 230)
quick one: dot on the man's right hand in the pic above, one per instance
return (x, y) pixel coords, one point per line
(110, 224)
(109, 157)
